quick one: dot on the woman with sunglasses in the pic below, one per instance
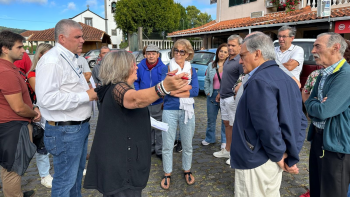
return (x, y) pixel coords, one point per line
(178, 110)
(212, 83)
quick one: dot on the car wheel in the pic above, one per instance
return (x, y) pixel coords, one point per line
(92, 63)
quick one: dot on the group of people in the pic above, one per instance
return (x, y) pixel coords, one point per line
(254, 84)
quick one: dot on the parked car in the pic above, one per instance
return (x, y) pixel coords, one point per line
(138, 56)
(200, 62)
(309, 64)
(91, 57)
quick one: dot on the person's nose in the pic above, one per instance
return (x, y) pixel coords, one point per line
(240, 61)
(313, 50)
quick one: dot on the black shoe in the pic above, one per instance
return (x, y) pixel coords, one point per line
(178, 148)
(160, 156)
(30, 193)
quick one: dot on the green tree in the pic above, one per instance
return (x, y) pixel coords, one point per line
(152, 15)
(192, 15)
(203, 18)
(183, 23)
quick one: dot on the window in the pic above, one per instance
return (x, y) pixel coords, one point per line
(114, 46)
(114, 32)
(114, 5)
(47, 42)
(88, 21)
(238, 2)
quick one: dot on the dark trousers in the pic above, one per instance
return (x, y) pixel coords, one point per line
(315, 163)
(335, 176)
(156, 135)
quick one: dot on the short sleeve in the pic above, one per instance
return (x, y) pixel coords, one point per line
(9, 83)
(31, 74)
(310, 82)
(119, 91)
(298, 55)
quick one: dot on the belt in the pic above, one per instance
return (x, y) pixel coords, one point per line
(66, 123)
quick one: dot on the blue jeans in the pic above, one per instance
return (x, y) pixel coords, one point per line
(175, 118)
(43, 164)
(68, 146)
(212, 114)
(349, 191)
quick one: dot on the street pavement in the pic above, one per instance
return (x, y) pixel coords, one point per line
(213, 176)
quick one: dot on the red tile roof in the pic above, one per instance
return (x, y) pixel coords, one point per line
(28, 33)
(89, 34)
(270, 18)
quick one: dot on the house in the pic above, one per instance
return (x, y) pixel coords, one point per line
(244, 16)
(106, 24)
(94, 38)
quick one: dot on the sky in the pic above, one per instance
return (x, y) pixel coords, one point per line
(44, 14)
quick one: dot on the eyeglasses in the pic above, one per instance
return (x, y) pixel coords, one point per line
(284, 37)
(182, 52)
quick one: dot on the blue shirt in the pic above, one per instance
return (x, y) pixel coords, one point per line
(325, 73)
(252, 72)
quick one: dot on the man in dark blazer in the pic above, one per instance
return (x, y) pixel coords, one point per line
(269, 132)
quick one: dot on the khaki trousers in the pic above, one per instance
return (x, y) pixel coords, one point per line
(11, 181)
(262, 181)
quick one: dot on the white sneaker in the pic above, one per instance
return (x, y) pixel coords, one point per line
(228, 162)
(205, 143)
(47, 181)
(222, 153)
(223, 145)
(84, 172)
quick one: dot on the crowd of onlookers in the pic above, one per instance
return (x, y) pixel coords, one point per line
(46, 106)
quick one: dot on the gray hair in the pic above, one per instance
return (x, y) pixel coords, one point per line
(262, 42)
(64, 26)
(41, 50)
(235, 37)
(292, 30)
(335, 38)
(116, 67)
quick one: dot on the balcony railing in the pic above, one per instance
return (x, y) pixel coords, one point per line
(334, 3)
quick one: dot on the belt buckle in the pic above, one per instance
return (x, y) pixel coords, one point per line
(52, 123)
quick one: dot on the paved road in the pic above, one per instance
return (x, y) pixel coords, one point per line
(213, 176)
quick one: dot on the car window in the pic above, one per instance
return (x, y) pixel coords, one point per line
(96, 53)
(140, 57)
(202, 58)
(307, 46)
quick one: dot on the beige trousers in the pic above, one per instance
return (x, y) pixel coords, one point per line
(262, 181)
(11, 181)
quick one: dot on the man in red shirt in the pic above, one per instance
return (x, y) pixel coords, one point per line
(24, 64)
(16, 112)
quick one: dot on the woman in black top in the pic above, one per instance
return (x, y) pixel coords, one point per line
(120, 159)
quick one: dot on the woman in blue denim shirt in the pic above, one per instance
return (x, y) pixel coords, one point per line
(211, 89)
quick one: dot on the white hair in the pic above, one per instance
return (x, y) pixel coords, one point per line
(335, 38)
(262, 42)
(64, 26)
(235, 37)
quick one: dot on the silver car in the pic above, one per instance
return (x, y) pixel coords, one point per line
(91, 57)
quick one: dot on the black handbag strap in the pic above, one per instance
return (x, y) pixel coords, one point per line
(217, 72)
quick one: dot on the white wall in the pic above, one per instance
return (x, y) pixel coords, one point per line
(97, 22)
(238, 11)
(111, 24)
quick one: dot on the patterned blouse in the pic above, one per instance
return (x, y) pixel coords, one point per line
(310, 82)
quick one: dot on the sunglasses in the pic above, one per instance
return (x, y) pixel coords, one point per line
(182, 52)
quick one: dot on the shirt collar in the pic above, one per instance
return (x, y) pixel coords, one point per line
(252, 72)
(236, 58)
(289, 49)
(67, 52)
(329, 70)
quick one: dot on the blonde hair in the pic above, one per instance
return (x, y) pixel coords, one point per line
(187, 45)
(41, 50)
(116, 67)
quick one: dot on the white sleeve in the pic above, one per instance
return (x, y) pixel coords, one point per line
(86, 67)
(48, 89)
(298, 55)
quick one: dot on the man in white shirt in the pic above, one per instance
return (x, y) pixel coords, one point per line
(84, 67)
(291, 56)
(64, 98)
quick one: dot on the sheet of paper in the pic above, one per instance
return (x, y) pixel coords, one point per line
(159, 125)
(93, 103)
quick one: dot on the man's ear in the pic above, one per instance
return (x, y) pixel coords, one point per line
(5, 50)
(336, 48)
(257, 54)
(61, 38)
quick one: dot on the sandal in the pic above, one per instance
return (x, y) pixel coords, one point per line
(189, 180)
(165, 182)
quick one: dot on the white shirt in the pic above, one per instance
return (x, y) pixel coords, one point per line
(295, 53)
(61, 87)
(83, 65)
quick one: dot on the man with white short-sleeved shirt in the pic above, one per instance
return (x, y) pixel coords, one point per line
(290, 55)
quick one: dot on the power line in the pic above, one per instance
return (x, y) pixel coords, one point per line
(27, 20)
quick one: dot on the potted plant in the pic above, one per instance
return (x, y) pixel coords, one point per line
(291, 4)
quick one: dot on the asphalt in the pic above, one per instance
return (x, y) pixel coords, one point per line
(213, 176)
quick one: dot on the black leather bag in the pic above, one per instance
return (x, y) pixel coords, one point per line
(38, 136)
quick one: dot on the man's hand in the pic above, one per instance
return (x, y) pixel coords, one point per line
(292, 170)
(92, 94)
(281, 163)
(175, 82)
(217, 99)
(37, 118)
(324, 100)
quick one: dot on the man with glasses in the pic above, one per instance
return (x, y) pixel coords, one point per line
(231, 71)
(149, 74)
(270, 124)
(291, 56)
